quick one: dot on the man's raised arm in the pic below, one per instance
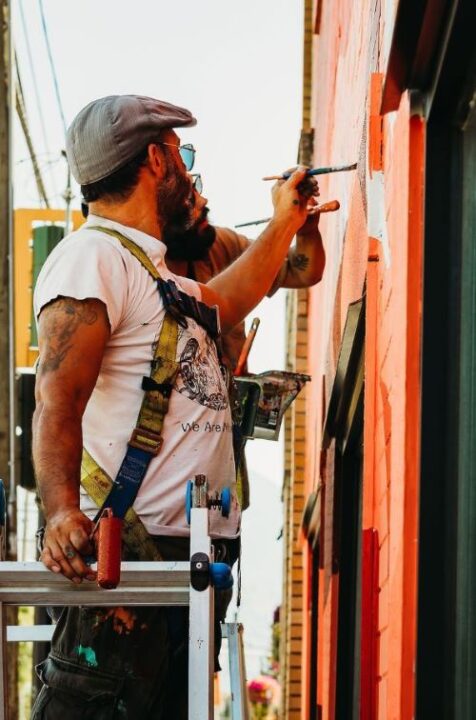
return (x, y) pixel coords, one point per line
(69, 331)
(239, 288)
(306, 259)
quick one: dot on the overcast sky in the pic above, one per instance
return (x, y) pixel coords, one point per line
(237, 66)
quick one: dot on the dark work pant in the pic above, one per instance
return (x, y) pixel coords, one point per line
(118, 663)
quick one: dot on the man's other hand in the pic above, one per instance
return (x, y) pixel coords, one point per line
(66, 541)
(311, 224)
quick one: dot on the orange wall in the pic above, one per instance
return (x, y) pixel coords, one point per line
(23, 222)
(349, 62)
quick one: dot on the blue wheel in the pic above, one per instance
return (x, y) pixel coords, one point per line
(225, 502)
(188, 501)
(220, 575)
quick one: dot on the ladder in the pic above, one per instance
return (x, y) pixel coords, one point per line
(142, 583)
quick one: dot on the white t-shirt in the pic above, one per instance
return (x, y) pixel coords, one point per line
(197, 430)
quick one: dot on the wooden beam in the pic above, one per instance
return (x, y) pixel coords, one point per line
(6, 324)
(5, 245)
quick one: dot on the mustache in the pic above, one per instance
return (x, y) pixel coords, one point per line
(203, 215)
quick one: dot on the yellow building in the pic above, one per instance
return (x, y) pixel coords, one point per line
(26, 223)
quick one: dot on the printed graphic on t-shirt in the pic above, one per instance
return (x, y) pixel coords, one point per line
(200, 377)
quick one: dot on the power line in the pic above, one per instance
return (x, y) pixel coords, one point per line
(33, 75)
(21, 111)
(35, 86)
(52, 64)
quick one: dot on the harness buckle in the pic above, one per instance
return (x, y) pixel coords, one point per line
(149, 384)
(146, 440)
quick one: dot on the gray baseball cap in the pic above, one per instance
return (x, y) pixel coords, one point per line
(109, 132)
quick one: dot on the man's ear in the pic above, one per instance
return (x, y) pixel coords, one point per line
(156, 160)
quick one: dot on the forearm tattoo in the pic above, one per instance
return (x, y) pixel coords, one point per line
(300, 261)
(60, 320)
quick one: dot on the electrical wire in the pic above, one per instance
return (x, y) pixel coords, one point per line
(52, 64)
(37, 95)
(68, 195)
(21, 111)
(33, 76)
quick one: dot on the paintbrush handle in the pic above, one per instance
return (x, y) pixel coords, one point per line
(315, 171)
(245, 350)
(330, 206)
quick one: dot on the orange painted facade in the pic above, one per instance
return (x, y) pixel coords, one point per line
(25, 219)
(374, 251)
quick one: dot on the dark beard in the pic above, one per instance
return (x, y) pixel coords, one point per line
(189, 244)
(175, 198)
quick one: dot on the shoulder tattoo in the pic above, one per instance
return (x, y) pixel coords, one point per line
(60, 320)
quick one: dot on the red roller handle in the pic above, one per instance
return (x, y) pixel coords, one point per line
(109, 550)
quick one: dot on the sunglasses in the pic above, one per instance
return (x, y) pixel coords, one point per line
(187, 153)
(197, 183)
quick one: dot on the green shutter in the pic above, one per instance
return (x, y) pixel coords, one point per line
(45, 238)
(465, 669)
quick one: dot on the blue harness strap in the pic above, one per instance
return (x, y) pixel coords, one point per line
(127, 482)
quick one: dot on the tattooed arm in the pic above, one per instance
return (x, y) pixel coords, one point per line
(72, 337)
(306, 259)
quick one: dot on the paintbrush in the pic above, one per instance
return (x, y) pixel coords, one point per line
(314, 171)
(330, 206)
(245, 350)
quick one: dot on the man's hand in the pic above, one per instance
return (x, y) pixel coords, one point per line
(297, 194)
(292, 197)
(65, 542)
(311, 224)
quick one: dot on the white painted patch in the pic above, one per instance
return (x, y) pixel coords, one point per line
(390, 120)
(377, 223)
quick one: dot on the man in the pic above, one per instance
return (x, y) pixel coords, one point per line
(101, 322)
(204, 250)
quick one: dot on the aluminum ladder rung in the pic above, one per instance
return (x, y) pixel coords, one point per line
(142, 583)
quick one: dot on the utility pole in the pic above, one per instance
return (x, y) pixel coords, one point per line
(5, 252)
(7, 379)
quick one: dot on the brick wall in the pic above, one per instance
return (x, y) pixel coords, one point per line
(294, 497)
(373, 247)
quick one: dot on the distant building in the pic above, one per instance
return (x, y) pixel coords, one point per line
(36, 231)
(378, 617)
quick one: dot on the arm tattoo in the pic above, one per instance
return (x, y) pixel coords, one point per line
(61, 320)
(300, 261)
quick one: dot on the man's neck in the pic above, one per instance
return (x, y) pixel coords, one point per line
(178, 267)
(132, 214)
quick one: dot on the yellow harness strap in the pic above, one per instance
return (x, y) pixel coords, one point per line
(98, 484)
(147, 433)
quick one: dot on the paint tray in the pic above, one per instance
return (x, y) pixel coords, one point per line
(263, 399)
